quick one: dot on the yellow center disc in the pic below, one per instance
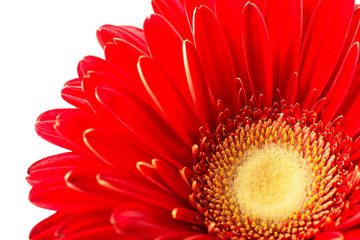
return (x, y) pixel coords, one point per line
(271, 182)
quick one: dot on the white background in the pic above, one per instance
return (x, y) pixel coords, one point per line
(41, 42)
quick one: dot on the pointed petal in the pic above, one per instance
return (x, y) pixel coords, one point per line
(172, 179)
(55, 195)
(204, 103)
(71, 125)
(352, 234)
(201, 237)
(350, 222)
(191, 5)
(188, 216)
(351, 36)
(151, 173)
(257, 52)
(229, 12)
(75, 96)
(292, 89)
(86, 181)
(319, 105)
(95, 71)
(45, 128)
(85, 221)
(327, 30)
(165, 45)
(95, 80)
(352, 98)
(131, 34)
(309, 7)
(178, 235)
(350, 107)
(171, 102)
(215, 56)
(115, 149)
(329, 236)
(105, 232)
(125, 56)
(139, 221)
(136, 188)
(284, 24)
(58, 166)
(341, 85)
(156, 134)
(174, 12)
(46, 228)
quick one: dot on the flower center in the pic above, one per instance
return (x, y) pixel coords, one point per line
(271, 175)
(271, 182)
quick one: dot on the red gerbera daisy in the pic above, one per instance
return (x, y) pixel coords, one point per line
(221, 119)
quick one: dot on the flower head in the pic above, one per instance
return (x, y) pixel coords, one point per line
(221, 119)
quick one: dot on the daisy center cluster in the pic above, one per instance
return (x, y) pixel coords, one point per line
(269, 179)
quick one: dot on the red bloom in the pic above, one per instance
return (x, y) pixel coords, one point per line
(219, 120)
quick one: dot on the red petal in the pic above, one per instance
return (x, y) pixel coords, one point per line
(46, 229)
(188, 215)
(115, 149)
(292, 88)
(76, 82)
(191, 5)
(96, 71)
(349, 41)
(58, 165)
(165, 46)
(329, 236)
(327, 30)
(45, 128)
(350, 222)
(136, 188)
(257, 52)
(85, 221)
(319, 105)
(107, 232)
(86, 181)
(175, 13)
(156, 134)
(204, 103)
(95, 80)
(92, 63)
(71, 125)
(105, 72)
(173, 105)
(284, 24)
(55, 195)
(350, 107)
(75, 96)
(172, 179)
(229, 12)
(308, 10)
(352, 234)
(178, 235)
(215, 56)
(125, 56)
(341, 85)
(151, 173)
(131, 34)
(143, 222)
(202, 237)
